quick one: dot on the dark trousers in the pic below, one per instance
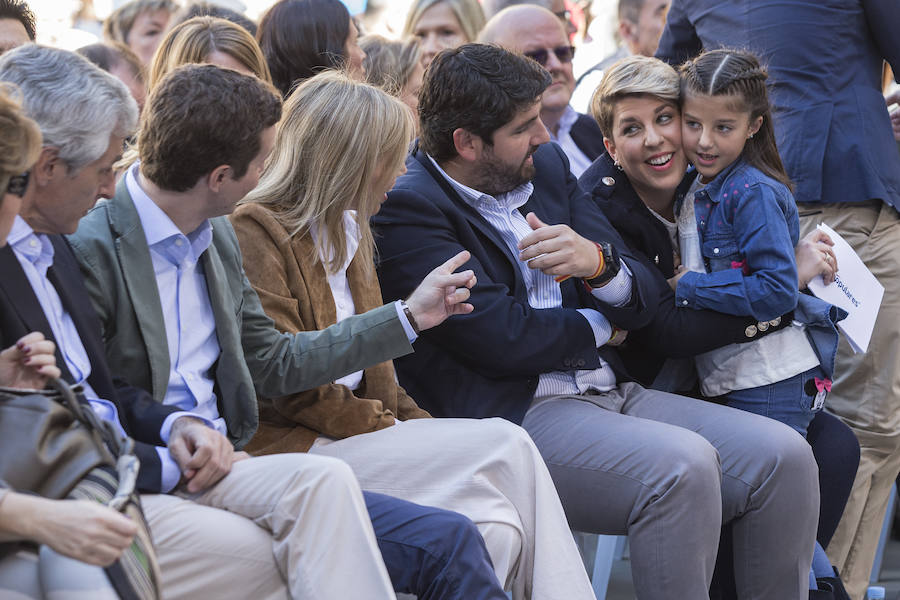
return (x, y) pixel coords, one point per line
(433, 553)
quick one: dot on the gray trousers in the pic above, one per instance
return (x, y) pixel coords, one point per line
(668, 471)
(46, 575)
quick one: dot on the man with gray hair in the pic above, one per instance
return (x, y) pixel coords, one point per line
(537, 33)
(639, 27)
(282, 525)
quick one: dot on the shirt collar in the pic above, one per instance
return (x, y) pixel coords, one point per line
(159, 229)
(35, 247)
(351, 229)
(511, 200)
(566, 121)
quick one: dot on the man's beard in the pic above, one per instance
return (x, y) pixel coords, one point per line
(496, 177)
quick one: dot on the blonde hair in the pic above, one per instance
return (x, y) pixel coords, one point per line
(195, 39)
(390, 63)
(191, 42)
(118, 24)
(324, 163)
(634, 75)
(20, 137)
(468, 13)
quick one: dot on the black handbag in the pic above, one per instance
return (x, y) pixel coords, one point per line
(55, 446)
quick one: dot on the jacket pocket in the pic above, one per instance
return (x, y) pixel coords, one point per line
(721, 253)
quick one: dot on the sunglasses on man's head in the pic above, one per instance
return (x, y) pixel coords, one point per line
(18, 184)
(563, 54)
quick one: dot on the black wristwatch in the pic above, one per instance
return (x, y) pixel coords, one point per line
(610, 265)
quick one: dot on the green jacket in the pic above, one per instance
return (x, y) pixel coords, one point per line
(112, 250)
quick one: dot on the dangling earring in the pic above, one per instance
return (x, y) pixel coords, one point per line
(616, 162)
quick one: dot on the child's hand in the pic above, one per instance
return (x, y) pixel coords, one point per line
(679, 273)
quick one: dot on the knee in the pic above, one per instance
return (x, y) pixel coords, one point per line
(787, 456)
(693, 463)
(321, 472)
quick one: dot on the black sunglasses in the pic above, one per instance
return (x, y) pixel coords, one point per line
(564, 54)
(18, 184)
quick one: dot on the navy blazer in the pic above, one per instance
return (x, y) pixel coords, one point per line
(20, 313)
(587, 136)
(487, 363)
(674, 332)
(824, 59)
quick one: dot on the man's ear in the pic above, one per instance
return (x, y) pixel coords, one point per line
(468, 145)
(48, 165)
(628, 33)
(217, 177)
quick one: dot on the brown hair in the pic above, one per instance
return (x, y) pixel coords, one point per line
(199, 117)
(739, 74)
(108, 55)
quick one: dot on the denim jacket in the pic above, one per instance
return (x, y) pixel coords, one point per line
(748, 227)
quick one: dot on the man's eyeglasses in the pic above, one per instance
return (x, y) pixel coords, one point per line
(564, 54)
(18, 184)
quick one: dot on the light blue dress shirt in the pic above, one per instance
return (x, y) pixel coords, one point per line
(543, 290)
(35, 253)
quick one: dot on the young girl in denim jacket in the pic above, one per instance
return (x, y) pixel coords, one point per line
(746, 227)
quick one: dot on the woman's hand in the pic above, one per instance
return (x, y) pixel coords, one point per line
(815, 257)
(80, 529)
(29, 364)
(679, 273)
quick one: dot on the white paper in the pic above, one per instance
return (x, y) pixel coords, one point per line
(854, 289)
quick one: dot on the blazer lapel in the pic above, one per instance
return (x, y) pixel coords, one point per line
(321, 299)
(140, 280)
(17, 289)
(472, 215)
(223, 311)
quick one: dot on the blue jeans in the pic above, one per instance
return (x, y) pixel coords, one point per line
(787, 401)
(433, 553)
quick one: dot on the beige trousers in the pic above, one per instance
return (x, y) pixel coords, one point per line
(866, 391)
(490, 471)
(285, 525)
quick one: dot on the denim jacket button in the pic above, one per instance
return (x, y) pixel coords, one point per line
(684, 302)
(750, 331)
(715, 250)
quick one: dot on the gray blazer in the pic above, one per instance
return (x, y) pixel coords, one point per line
(112, 250)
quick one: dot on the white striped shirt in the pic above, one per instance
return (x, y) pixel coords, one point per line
(543, 290)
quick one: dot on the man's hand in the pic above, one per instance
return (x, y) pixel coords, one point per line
(28, 364)
(815, 257)
(204, 455)
(891, 99)
(557, 250)
(442, 293)
(81, 529)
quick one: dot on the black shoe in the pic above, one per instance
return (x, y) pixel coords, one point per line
(825, 591)
(836, 585)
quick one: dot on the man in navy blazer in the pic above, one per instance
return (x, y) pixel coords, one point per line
(825, 70)
(539, 348)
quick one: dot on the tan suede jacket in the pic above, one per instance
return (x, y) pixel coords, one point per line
(294, 292)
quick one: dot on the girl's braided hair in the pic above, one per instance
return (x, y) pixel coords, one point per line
(738, 73)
